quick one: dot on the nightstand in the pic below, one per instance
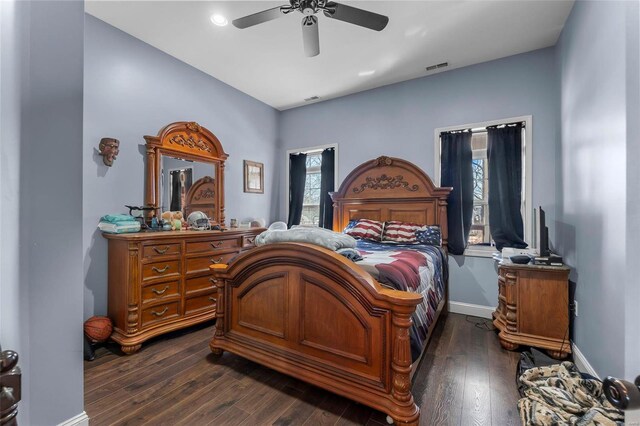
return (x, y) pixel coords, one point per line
(533, 307)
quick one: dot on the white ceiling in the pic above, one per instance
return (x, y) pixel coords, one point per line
(267, 61)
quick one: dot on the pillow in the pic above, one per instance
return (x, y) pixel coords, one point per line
(429, 235)
(365, 229)
(400, 232)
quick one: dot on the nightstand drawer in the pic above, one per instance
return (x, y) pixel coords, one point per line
(156, 292)
(200, 303)
(161, 249)
(202, 263)
(212, 245)
(160, 313)
(162, 269)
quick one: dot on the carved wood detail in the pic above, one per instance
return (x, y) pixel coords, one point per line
(385, 182)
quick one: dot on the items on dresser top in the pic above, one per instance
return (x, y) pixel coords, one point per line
(160, 281)
(118, 224)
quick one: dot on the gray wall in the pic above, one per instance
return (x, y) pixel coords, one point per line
(400, 119)
(41, 158)
(598, 66)
(133, 89)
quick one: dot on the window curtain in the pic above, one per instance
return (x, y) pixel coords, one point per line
(457, 172)
(327, 185)
(504, 152)
(297, 179)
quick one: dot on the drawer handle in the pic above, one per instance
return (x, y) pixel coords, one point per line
(250, 240)
(213, 281)
(216, 244)
(213, 299)
(161, 271)
(159, 314)
(216, 261)
(161, 251)
(159, 292)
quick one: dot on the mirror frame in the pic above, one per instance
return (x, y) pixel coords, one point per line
(190, 141)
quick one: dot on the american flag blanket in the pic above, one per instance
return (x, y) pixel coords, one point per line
(409, 267)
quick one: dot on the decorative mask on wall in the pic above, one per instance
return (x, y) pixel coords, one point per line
(109, 149)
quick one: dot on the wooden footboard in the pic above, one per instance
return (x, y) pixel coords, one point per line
(310, 313)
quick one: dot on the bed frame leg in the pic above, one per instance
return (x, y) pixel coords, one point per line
(219, 331)
(406, 412)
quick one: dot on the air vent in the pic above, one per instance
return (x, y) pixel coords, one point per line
(434, 67)
(313, 98)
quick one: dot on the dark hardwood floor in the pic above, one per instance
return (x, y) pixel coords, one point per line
(465, 378)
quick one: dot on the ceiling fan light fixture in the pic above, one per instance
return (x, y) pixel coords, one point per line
(219, 20)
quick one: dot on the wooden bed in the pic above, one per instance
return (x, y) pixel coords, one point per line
(317, 316)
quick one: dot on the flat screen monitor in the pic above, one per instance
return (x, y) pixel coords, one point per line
(542, 234)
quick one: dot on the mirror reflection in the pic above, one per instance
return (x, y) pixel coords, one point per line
(177, 176)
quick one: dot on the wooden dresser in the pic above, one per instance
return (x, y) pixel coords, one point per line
(533, 307)
(160, 281)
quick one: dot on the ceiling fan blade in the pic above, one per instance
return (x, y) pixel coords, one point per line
(259, 18)
(310, 36)
(356, 16)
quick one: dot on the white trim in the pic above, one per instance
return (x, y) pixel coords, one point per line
(581, 361)
(307, 150)
(527, 204)
(80, 420)
(471, 309)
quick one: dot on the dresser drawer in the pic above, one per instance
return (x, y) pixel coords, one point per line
(160, 313)
(161, 249)
(212, 245)
(198, 284)
(202, 263)
(248, 241)
(161, 269)
(159, 291)
(200, 303)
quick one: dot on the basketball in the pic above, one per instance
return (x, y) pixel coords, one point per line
(98, 329)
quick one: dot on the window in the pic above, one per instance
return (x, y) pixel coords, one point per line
(480, 233)
(480, 242)
(313, 179)
(311, 203)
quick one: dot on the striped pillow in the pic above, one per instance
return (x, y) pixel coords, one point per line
(366, 229)
(400, 232)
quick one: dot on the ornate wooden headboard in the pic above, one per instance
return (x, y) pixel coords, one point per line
(389, 188)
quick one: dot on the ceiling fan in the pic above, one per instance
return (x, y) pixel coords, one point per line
(309, 8)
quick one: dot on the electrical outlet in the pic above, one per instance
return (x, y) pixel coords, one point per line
(575, 307)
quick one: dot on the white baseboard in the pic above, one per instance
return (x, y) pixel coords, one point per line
(471, 309)
(581, 362)
(80, 420)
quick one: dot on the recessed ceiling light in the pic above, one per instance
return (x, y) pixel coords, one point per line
(366, 73)
(219, 20)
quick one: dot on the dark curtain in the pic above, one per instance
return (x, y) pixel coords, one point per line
(297, 179)
(174, 204)
(327, 185)
(504, 152)
(455, 161)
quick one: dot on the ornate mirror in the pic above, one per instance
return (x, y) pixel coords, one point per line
(185, 171)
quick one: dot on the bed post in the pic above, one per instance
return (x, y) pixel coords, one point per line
(406, 412)
(219, 330)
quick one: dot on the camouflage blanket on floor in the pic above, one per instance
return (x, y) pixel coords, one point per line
(558, 395)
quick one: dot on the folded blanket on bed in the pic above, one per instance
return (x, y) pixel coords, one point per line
(312, 235)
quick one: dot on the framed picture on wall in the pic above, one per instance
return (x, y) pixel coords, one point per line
(253, 177)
